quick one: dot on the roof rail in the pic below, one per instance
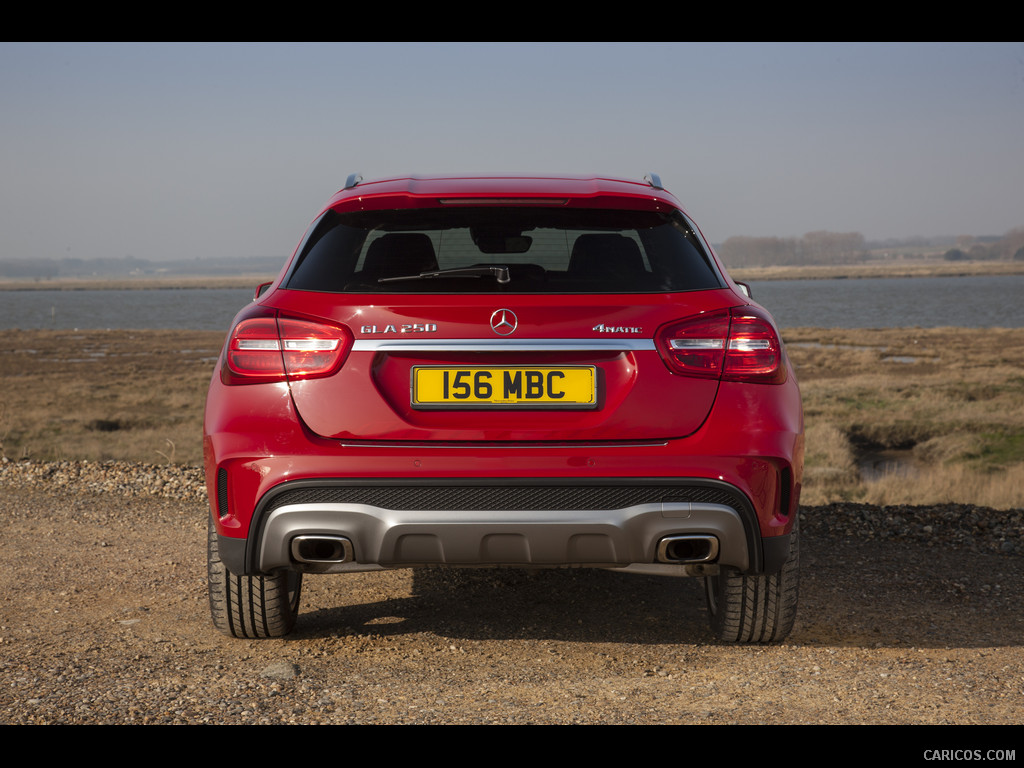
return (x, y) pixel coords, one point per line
(352, 180)
(654, 180)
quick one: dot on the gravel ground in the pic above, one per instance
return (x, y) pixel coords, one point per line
(907, 615)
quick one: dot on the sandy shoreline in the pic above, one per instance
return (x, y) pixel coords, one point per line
(907, 269)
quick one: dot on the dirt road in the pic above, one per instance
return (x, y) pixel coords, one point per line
(104, 619)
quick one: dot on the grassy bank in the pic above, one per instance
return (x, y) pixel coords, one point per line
(912, 416)
(897, 416)
(134, 395)
(898, 268)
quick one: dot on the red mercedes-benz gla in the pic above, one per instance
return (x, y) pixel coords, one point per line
(504, 371)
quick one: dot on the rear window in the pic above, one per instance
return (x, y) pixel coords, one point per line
(502, 250)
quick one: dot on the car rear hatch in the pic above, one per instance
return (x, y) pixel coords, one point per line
(507, 322)
(422, 369)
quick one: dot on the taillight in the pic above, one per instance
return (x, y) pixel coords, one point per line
(268, 348)
(312, 349)
(696, 346)
(755, 352)
(254, 349)
(737, 345)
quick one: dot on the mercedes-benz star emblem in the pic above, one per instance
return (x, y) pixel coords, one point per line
(504, 321)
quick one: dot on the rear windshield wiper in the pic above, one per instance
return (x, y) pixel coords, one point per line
(499, 273)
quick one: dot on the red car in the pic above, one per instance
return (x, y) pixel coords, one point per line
(504, 371)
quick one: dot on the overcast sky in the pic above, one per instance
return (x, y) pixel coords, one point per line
(163, 151)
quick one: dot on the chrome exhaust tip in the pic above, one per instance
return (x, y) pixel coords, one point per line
(322, 550)
(688, 549)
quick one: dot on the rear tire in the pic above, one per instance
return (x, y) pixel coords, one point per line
(755, 609)
(250, 606)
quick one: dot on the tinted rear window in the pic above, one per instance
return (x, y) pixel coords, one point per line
(543, 250)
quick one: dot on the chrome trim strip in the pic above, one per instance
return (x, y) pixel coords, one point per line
(503, 446)
(502, 345)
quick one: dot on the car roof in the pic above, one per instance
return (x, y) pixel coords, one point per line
(438, 190)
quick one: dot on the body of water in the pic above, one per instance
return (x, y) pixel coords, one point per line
(190, 308)
(895, 302)
(927, 302)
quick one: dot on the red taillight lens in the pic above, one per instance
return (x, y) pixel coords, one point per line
(311, 349)
(755, 352)
(696, 346)
(271, 349)
(737, 345)
(254, 349)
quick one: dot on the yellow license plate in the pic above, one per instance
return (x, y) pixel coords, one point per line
(515, 387)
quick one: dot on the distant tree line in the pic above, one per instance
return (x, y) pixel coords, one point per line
(49, 269)
(1009, 247)
(25, 268)
(824, 247)
(813, 248)
(45, 269)
(819, 247)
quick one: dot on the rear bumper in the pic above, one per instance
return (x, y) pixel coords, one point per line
(630, 523)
